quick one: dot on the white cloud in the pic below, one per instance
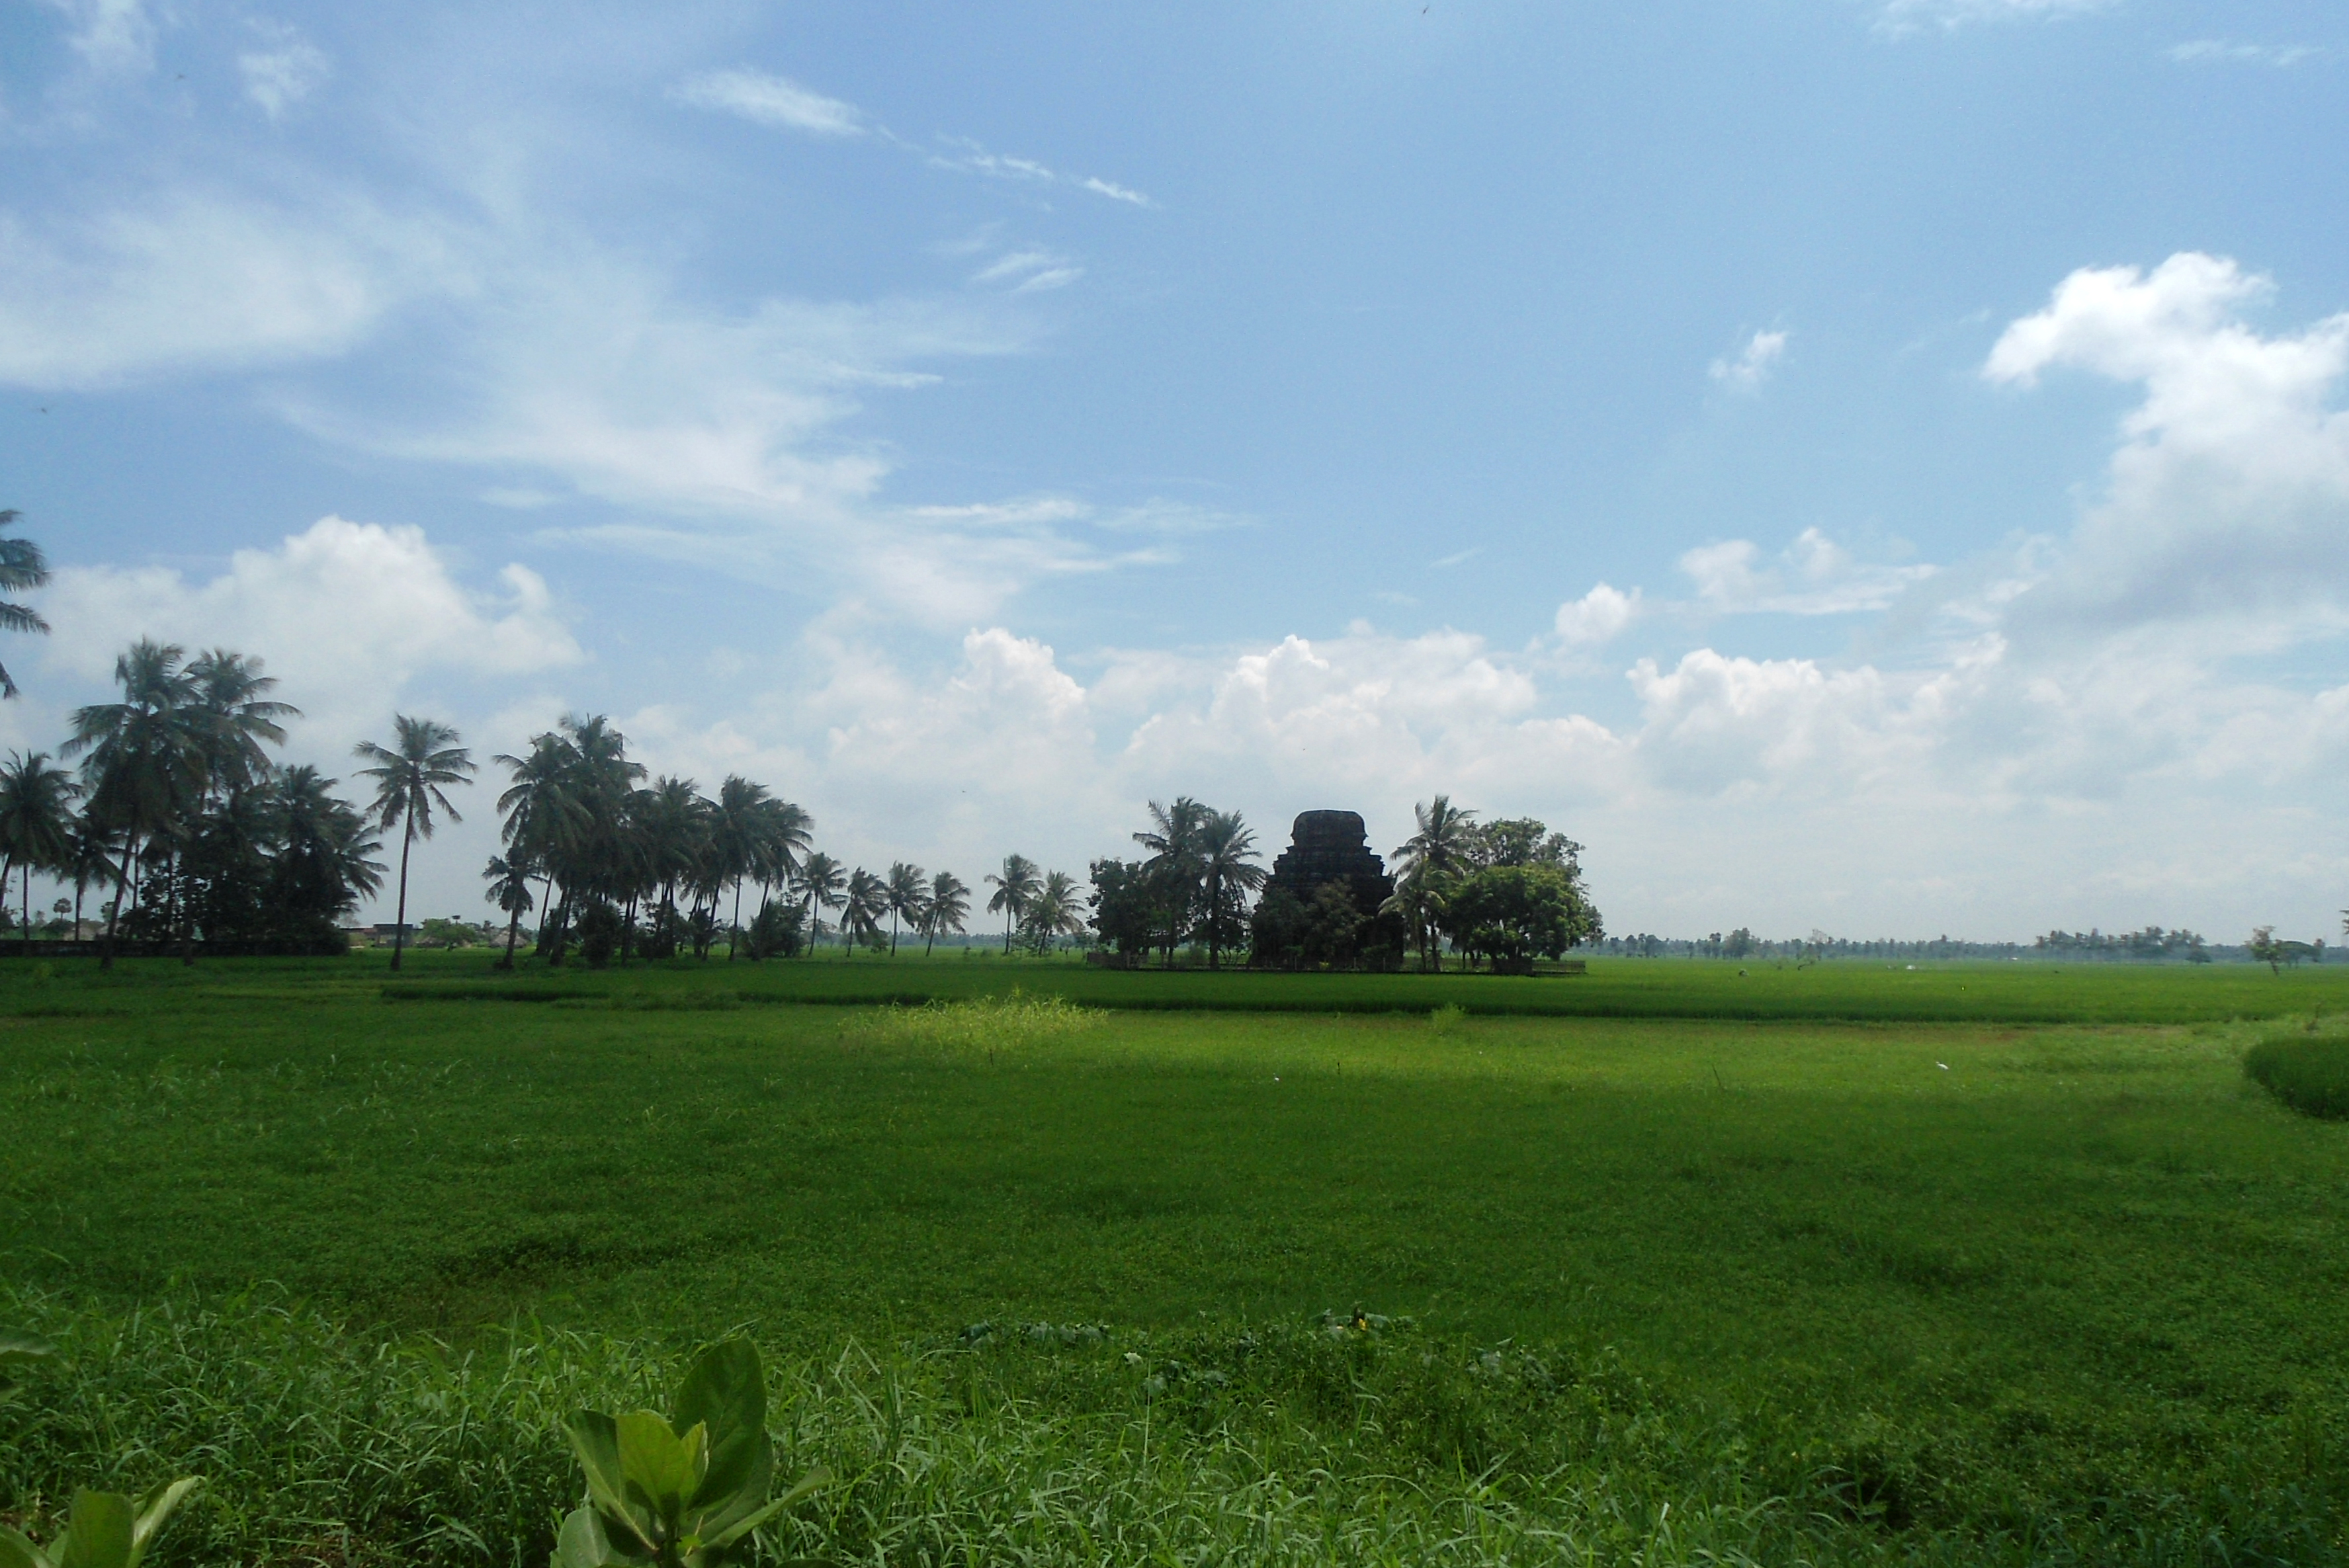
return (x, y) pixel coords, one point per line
(964, 156)
(1812, 576)
(1030, 271)
(1906, 15)
(2218, 51)
(198, 281)
(1598, 617)
(283, 71)
(772, 100)
(346, 614)
(1753, 363)
(2225, 513)
(112, 36)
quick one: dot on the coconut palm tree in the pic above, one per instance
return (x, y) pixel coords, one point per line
(1053, 911)
(1173, 840)
(412, 775)
(1227, 847)
(37, 821)
(908, 897)
(784, 837)
(508, 878)
(230, 695)
(142, 761)
(21, 567)
(737, 820)
(822, 878)
(945, 908)
(1014, 885)
(861, 911)
(1427, 863)
(325, 855)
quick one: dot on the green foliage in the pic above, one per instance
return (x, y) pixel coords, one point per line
(1288, 932)
(987, 1023)
(684, 1491)
(105, 1530)
(1513, 915)
(2305, 1070)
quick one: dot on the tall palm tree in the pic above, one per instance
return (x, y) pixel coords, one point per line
(37, 821)
(1226, 848)
(230, 695)
(945, 908)
(1428, 862)
(908, 896)
(1014, 885)
(861, 911)
(736, 820)
(142, 761)
(784, 837)
(1053, 912)
(325, 851)
(822, 878)
(21, 567)
(412, 775)
(1173, 840)
(508, 878)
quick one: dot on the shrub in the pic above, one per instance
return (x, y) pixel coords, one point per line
(983, 1024)
(2309, 1072)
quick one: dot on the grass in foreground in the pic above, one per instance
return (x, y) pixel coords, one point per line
(2001, 1290)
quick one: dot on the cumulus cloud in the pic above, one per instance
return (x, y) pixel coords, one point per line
(1599, 616)
(1753, 364)
(344, 612)
(2227, 502)
(284, 70)
(772, 100)
(1812, 576)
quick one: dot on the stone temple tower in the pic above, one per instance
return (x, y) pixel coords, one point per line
(1332, 846)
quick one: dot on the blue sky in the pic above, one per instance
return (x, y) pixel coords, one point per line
(1872, 466)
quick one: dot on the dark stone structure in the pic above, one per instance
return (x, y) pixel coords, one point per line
(1327, 847)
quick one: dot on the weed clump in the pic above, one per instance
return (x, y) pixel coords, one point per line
(2309, 1072)
(983, 1024)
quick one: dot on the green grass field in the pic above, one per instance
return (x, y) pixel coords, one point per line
(1974, 1264)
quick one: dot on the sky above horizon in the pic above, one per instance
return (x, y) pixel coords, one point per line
(1867, 465)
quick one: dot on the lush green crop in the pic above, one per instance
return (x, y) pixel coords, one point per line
(1833, 1291)
(2307, 1071)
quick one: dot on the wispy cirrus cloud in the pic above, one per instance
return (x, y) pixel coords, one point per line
(1911, 15)
(283, 69)
(2218, 51)
(964, 156)
(1030, 271)
(767, 99)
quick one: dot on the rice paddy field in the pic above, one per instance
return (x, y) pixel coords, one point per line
(1661, 1263)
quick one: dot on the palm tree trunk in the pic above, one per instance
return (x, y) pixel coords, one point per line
(734, 939)
(399, 916)
(932, 933)
(513, 926)
(893, 931)
(121, 884)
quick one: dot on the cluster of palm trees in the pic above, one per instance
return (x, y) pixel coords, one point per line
(630, 868)
(1193, 886)
(177, 809)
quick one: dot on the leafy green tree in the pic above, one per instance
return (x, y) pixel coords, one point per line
(944, 908)
(1014, 885)
(412, 775)
(36, 823)
(1513, 914)
(22, 567)
(1444, 849)
(1124, 907)
(908, 891)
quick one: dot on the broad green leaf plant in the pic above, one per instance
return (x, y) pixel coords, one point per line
(105, 1530)
(685, 1492)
